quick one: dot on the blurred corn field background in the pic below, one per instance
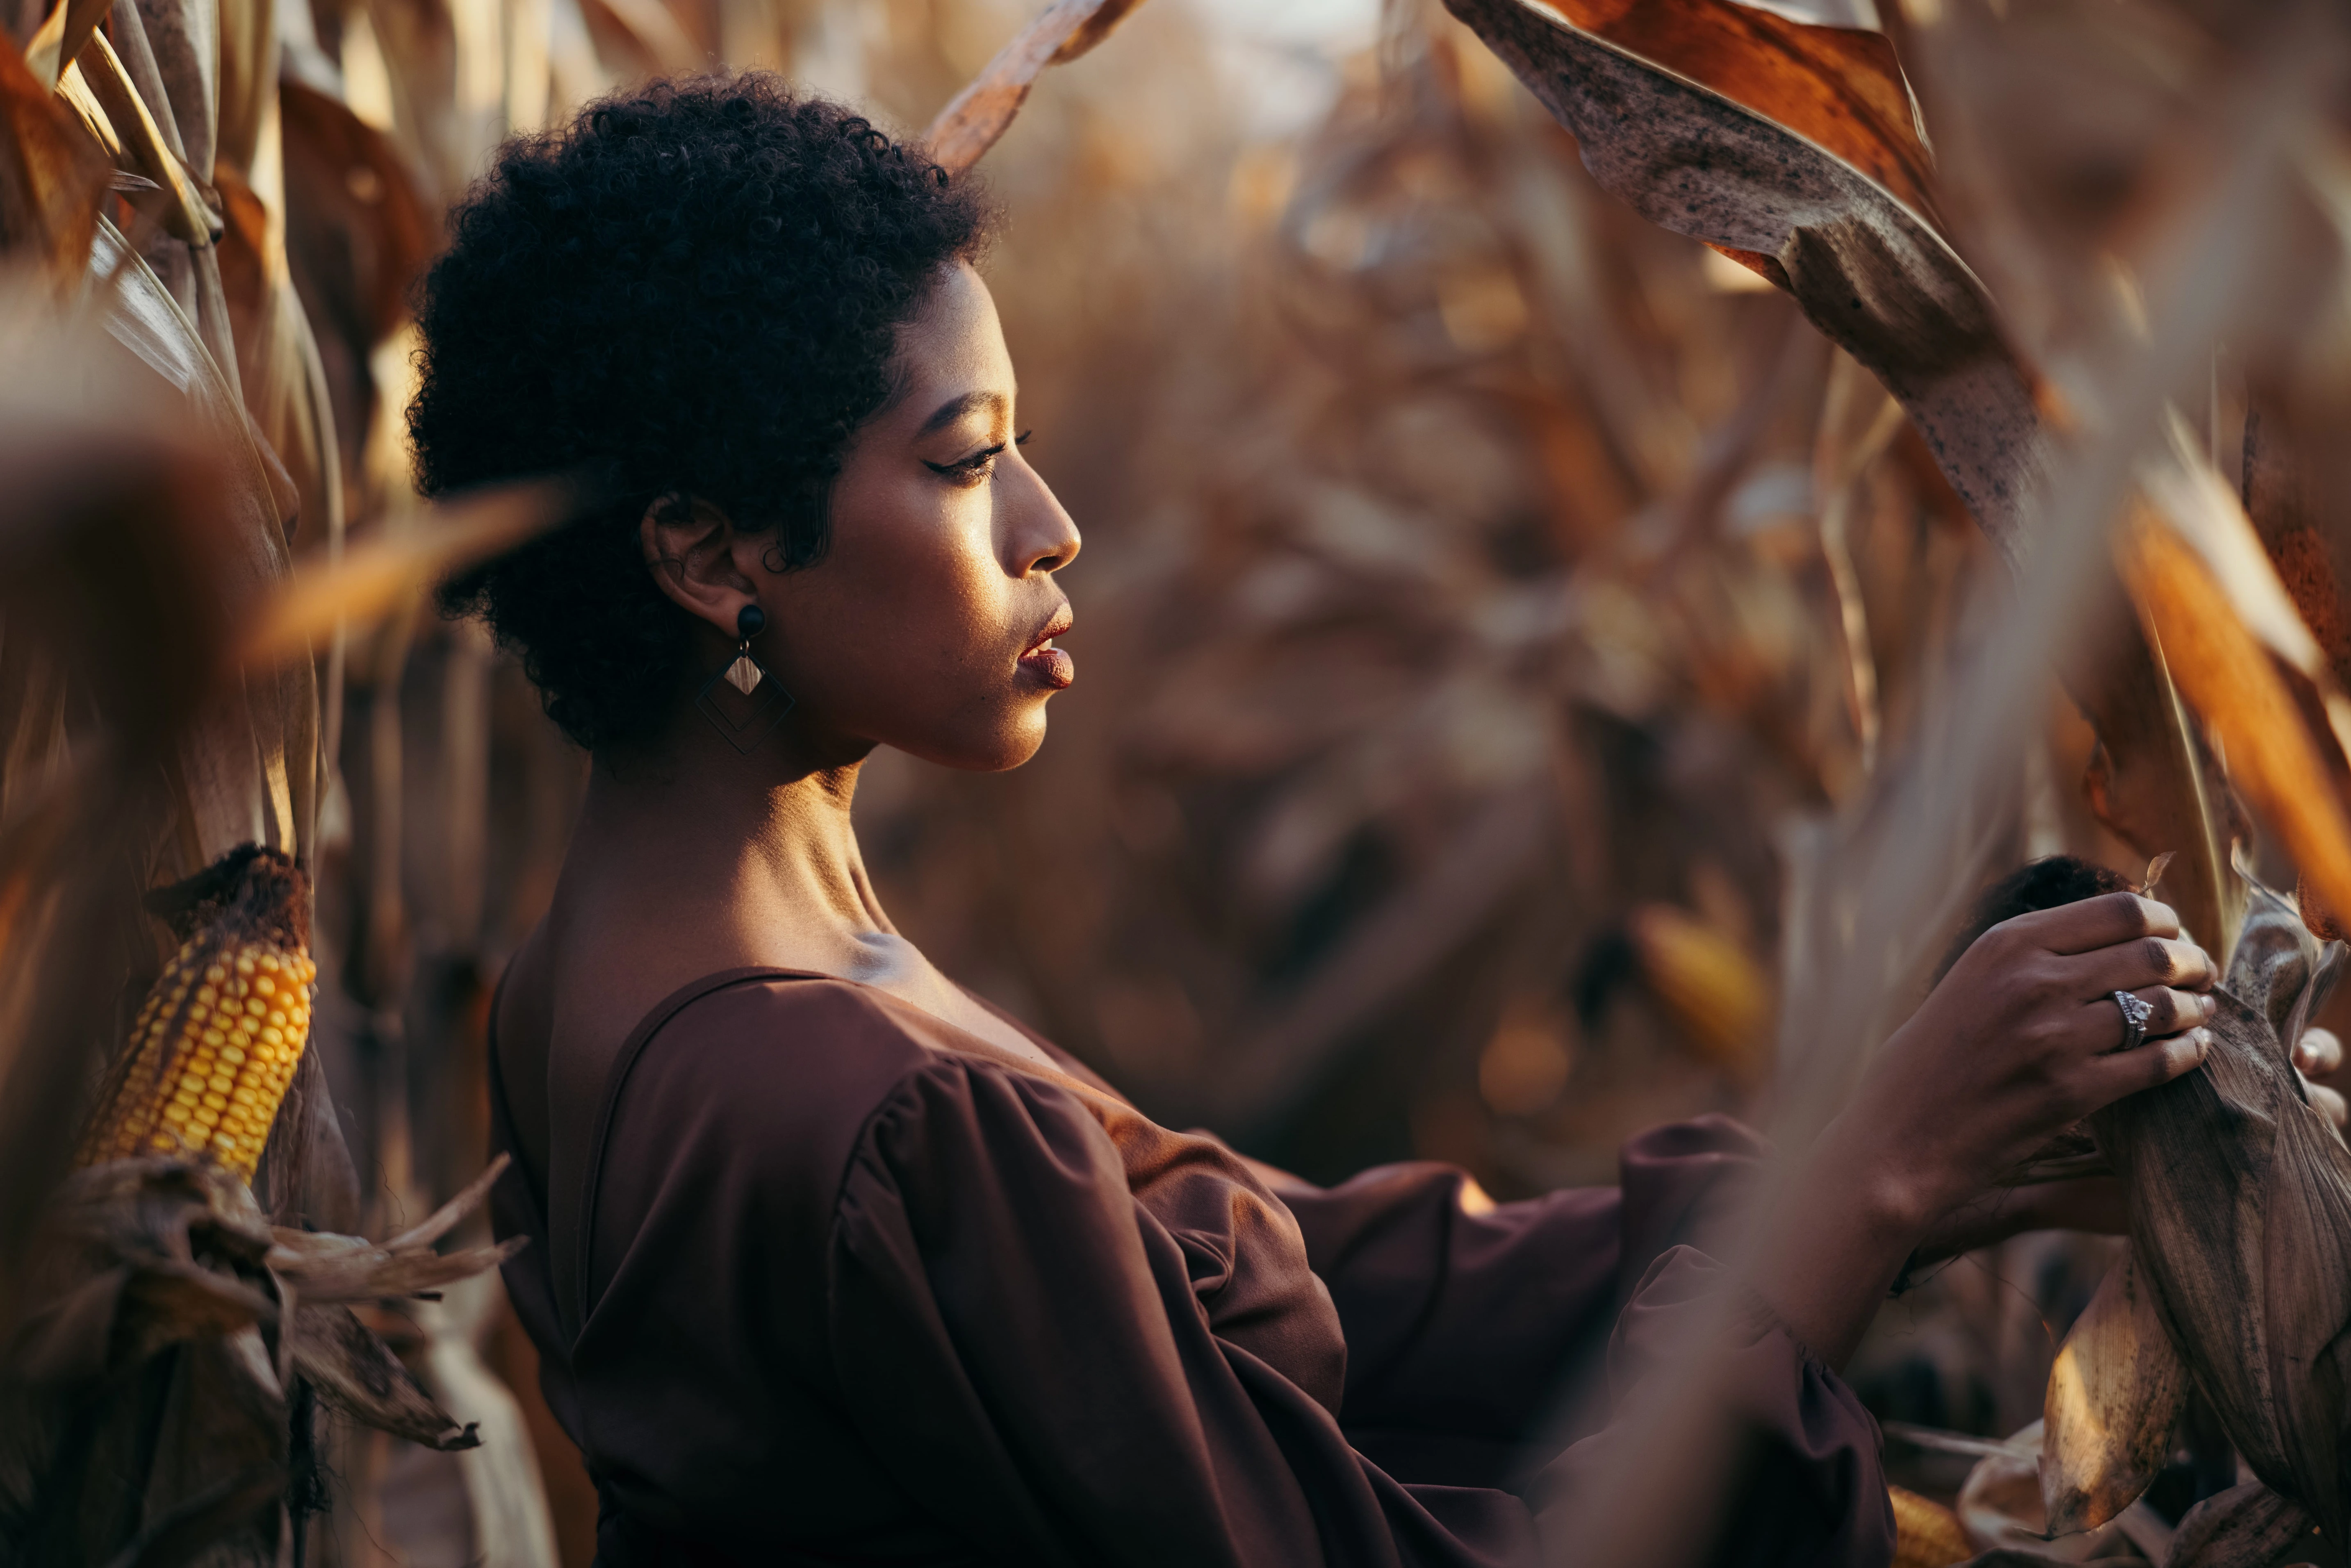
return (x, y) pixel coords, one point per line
(1504, 621)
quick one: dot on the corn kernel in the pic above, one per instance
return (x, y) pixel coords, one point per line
(245, 964)
(207, 1118)
(263, 985)
(214, 1102)
(175, 1113)
(272, 1035)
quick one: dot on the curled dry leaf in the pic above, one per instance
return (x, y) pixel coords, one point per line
(355, 1373)
(972, 120)
(324, 1268)
(2116, 1392)
(1869, 271)
(1999, 1508)
(2245, 1527)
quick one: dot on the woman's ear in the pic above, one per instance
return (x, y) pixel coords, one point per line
(689, 546)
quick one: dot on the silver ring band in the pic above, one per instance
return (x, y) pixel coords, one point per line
(2135, 1016)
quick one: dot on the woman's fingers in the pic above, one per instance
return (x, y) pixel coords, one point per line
(2136, 966)
(2318, 1056)
(2169, 1010)
(2121, 1072)
(2318, 1053)
(2095, 923)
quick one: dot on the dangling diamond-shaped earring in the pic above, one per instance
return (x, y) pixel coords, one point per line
(746, 676)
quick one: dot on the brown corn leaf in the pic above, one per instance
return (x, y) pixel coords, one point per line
(1868, 270)
(355, 1373)
(61, 38)
(328, 1268)
(2231, 681)
(395, 565)
(2116, 1392)
(1840, 87)
(53, 176)
(245, 771)
(657, 42)
(2247, 1526)
(185, 215)
(972, 120)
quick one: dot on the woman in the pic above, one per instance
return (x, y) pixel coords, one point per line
(832, 1262)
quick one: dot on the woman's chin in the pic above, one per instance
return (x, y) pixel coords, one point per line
(997, 751)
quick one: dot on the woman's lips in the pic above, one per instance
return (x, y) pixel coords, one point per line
(1049, 665)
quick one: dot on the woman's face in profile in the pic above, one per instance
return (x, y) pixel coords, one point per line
(928, 623)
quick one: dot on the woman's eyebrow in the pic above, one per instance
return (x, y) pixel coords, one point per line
(954, 408)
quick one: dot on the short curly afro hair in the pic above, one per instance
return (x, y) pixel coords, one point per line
(693, 289)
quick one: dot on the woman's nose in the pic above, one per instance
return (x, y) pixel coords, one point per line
(1044, 536)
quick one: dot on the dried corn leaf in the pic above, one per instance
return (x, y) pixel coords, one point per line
(356, 1373)
(186, 217)
(2230, 681)
(246, 767)
(2247, 1526)
(53, 177)
(968, 126)
(1840, 87)
(2116, 1392)
(1869, 272)
(395, 567)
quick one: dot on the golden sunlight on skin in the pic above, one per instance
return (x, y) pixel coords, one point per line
(921, 626)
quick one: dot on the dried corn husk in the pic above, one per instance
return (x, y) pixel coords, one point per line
(2115, 1393)
(142, 1257)
(2241, 1215)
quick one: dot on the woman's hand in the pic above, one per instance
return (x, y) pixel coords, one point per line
(2022, 1037)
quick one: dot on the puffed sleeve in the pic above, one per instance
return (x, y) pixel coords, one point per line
(1472, 1326)
(1023, 1348)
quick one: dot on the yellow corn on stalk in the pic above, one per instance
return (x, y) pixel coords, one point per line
(214, 1047)
(1926, 1533)
(1719, 996)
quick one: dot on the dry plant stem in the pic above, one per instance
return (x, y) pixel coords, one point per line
(970, 123)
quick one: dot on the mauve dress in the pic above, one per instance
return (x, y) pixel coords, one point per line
(842, 1283)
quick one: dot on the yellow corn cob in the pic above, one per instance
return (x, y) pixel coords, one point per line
(1926, 1533)
(215, 1044)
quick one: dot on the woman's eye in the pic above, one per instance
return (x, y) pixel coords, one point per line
(970, 470)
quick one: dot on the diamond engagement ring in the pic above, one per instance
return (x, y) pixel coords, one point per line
(2135, 1016)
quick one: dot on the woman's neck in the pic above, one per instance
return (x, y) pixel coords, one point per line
(755, 853)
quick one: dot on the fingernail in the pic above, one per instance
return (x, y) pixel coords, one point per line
(2202, 1039)
(2212, 1004)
